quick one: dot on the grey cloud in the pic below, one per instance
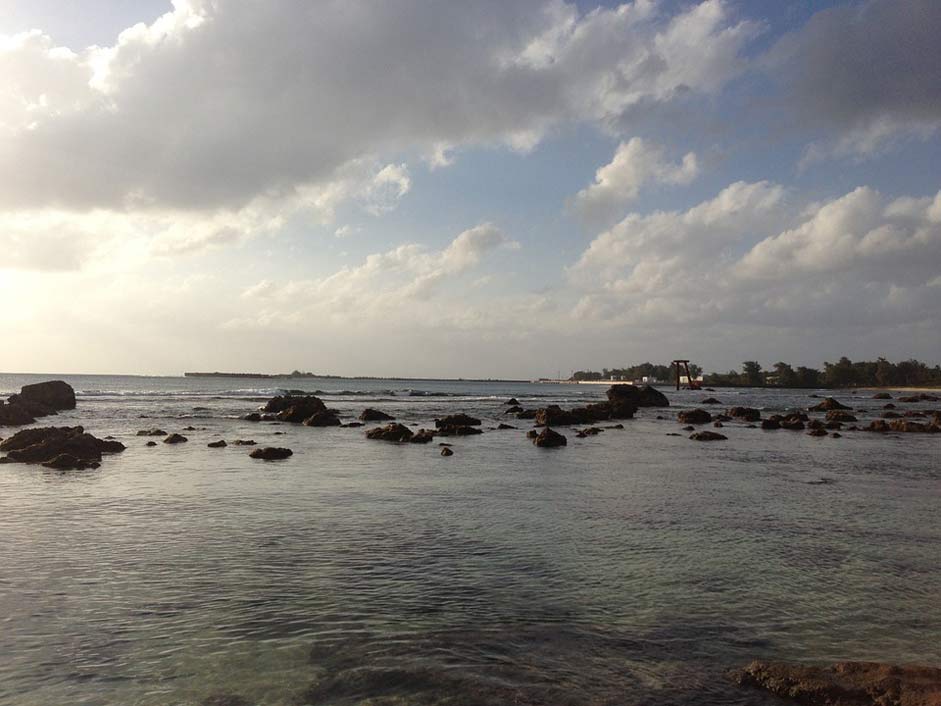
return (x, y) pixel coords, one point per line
(864, 72)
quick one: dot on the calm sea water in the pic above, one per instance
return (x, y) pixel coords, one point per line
(628, 568)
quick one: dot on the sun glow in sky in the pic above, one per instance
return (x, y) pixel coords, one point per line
(467, 189)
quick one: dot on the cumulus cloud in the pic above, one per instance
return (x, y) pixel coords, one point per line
(864, 73)
(751, 258)
(635, 164)
(218, 104)
(388, 288)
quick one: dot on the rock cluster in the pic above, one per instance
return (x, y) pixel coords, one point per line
(41, 399)
(458, 425)
(297, 409)
(62, 448)
(846, 683)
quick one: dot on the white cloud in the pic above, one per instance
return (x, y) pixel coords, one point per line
(751, 259)
(402, 285)
(220, 106)
(635, 164)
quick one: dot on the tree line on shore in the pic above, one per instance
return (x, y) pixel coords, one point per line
(843, 373)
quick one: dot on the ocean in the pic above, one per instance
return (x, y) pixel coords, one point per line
(632, 567)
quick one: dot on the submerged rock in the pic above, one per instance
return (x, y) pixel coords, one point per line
(217, 444)
(151, 432)
(710, 400)
(512, 402)
(446, 451)
(175, 439)
(694, 416)
(244, 442)
(882, 396)
(422, 436)
(391, 432)
(749, 414)
(589, 431)
(846, 683)
(271, 453)
(708, 436)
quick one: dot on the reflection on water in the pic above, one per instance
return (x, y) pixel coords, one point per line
(631, 567)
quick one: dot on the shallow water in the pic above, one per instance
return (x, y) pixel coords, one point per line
(628, 568)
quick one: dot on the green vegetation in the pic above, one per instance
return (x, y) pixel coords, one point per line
(664, 373)
(843, 373)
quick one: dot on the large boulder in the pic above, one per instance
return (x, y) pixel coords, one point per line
(652, 397)
(846, 683)
(294, 408)
(549, 439)
(54, 395)
(63, 447)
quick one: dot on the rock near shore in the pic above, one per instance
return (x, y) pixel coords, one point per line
(62, 448)
(40, 399)
(846, 683)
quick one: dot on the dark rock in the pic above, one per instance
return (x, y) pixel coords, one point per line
(294, 408)
(833, 425)
(515, 409)
(458, 430)
(838, 415)
(879, 425)
(888, 406)
(836, 435)
(652, 397)
(64, 447)
(352, 425)
(527, 414)
(391, 432)
(588, 431)
(815, 424)
(846, 683)
(423, 436)
(910, 427)
(244, 442)
(829, 404)
(54, 394)
(718, 425)
(68, 462)
(615, 426)
(271, 453)
(457, 420)
(817, 432)
(252, 417)
(548, 439)
(151, 443)
(723, 418)
(914, 413)
(689, 428)
(505, 426)
(708, 436)
(446, 451)
(694, 416)
(189, 428)
(14, 415)
(374, 415)
(175, 439)
(532, 434)
(512, 402)
(217, 444)
(710, 400)
(323, 418)
(891, 415)
(923, 397)
(882, 396)
(749, 414)
(792, 424)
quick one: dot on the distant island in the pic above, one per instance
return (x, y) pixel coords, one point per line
(298, 374)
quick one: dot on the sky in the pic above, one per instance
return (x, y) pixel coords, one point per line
(474, 189)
